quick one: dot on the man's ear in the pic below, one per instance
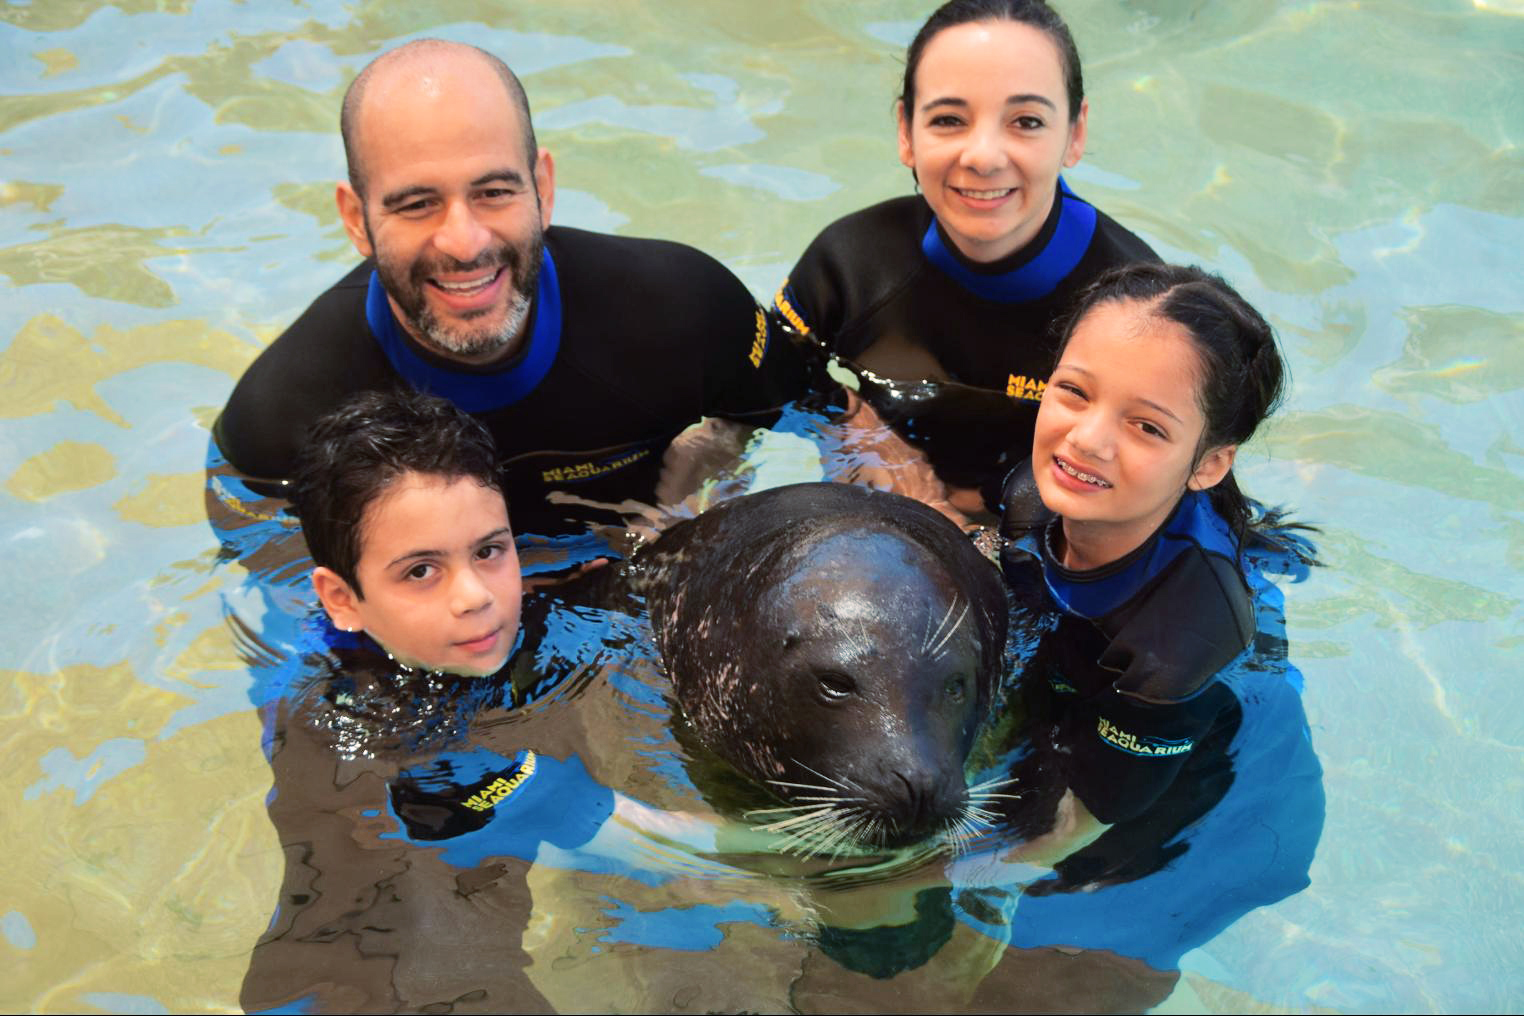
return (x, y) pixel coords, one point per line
(545, 185)
(338, 599)
(352, 213)
(1212, 467)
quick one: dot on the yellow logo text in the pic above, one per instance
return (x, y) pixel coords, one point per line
(780, 300)
(1135, 745)
(500, 788)
(759, 343)
(1019, 386)
(589, 470)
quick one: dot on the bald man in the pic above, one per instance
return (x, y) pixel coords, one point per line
(583, 353)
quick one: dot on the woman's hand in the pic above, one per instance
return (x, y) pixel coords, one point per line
(877, 457)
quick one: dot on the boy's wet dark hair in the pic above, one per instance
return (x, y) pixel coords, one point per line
(1025, 12)
(352, 455)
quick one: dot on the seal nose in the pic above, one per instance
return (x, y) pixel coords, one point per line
(929, 799)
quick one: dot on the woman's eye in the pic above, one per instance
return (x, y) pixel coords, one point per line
(1029, 123)
(1151, 430)
(945, 120)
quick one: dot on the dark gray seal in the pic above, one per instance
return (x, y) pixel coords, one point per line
(839, 646)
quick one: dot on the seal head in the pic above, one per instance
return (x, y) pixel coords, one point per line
(839, 646)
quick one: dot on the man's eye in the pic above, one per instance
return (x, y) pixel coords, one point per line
(414, 208)
(489, 551)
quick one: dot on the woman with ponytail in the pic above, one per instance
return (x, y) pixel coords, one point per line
(949, 297)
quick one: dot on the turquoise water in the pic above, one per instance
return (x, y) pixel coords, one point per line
(165, 189)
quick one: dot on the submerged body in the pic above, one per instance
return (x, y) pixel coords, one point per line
(837, 645)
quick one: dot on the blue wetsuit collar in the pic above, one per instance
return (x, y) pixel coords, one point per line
(1095, 593)
(1037, 277)
(475, 392)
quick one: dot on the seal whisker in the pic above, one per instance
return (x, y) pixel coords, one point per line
(810, 838)
(829, 842)
(782, 824)
(823, 776)
(936, 650)
(990, 784)
(932, 636)
(954, 838)
(778, 811)
(841, 835)
(809, 804)
(802, 786)
(835, 799)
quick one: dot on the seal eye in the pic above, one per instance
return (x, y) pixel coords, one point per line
(957, 688)
(834, 685)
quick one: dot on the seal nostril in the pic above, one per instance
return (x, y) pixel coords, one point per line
(917, 797)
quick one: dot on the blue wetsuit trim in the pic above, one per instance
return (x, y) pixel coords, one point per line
(1193, 522)
(1039, 276)
(475, 393)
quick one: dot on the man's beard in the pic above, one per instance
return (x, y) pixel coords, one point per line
(457, 338)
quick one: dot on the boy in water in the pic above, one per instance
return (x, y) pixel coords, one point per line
(404, 516)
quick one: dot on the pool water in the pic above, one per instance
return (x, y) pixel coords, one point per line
(166, 175)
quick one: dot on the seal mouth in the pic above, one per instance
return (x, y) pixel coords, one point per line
(836, 819)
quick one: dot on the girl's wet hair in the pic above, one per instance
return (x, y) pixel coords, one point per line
(353, 454)
(1241, 378)
(1026, 12)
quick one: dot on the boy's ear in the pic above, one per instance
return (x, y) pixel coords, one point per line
(338, 599)
(1214, 465)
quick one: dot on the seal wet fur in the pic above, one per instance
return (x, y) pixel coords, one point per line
(839, 646)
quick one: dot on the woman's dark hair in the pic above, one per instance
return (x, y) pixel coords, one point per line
(1026, 12)
(353, 454)
(1241, 379)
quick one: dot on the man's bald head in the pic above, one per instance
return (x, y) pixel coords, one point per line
(415, 58)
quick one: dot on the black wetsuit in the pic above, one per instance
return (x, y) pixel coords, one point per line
(1123, 683)
(887, 289)
(1160, 693)
(630, 341)
(409, 826)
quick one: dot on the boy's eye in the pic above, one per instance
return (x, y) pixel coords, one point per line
(419, 571)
